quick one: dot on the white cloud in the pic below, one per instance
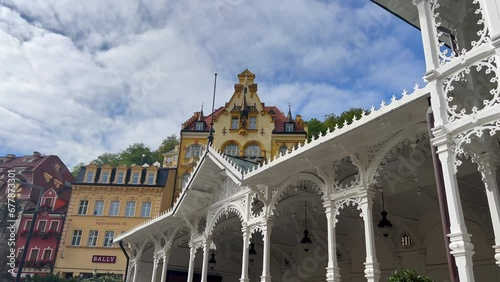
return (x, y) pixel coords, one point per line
(80, 79)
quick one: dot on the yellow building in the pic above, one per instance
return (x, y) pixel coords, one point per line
(244, 128)
(107, 201)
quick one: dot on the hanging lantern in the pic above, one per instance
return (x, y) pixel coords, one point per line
(385, 225)
(212, 262)
(306, 241)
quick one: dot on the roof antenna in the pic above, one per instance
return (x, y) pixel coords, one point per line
(211, 135)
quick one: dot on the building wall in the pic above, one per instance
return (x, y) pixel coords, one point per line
(78, 259)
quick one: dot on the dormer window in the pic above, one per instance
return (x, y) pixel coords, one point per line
(151, 178)
(200, 125)
(105, 177)
(90, 177)
(135, 178)
(48, 202)
(289, 127)
(119, 177)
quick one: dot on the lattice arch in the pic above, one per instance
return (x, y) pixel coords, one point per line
(216, 214)
(377, 160)
(306, 179)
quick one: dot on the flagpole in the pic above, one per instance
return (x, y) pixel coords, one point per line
(210, 135)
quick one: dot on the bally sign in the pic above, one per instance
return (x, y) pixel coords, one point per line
(103, 259)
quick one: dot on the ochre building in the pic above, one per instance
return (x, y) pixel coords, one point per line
(244, 128)
(107, 201)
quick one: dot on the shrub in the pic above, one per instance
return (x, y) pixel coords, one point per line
(408, 276)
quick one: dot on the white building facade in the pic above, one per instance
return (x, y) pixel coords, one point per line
(251, 220)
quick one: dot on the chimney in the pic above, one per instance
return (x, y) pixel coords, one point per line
(37, 154)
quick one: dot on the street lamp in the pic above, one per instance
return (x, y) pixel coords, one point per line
(30, 232)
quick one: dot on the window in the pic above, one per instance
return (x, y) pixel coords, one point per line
(119, 178)
(92, 241)
(34, 254)
(289, 127)
(41, 225)
(234, 123)
(130, 209)
(185, 179)
(108, 238)
(54, 225)
(20, 252)
(283, 150)
(47, 253)
(114, 208)
(146, 209)
(151, 178)
(200, 125)
(193, 151)
(90, 177)
(253, 122)
(169, 160)
(48, 201)
(82, 209)
(232, 150)
(99, 207)
(104, 177)
(252, 151)
(27, 225)
(135, 178)
(77, 237)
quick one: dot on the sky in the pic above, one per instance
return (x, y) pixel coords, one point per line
(80, 78)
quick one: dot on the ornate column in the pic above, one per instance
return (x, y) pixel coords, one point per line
(192, 254)
(155, 268)
(165, 267)
(244, 259)
(136, 271)
(332, 270)
(372, 272)
(428, 33)
(460, 244)
(206, 254)
(488, 171)
(266, 261)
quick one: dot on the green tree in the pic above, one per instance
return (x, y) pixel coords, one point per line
(315, 127)
(167, 145)
(138, 154)
(76, 169)
(349, 116)
(107, 158)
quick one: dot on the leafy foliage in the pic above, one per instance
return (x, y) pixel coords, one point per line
(408, 276)
(48, 278)
(317, 127)
(133, 155)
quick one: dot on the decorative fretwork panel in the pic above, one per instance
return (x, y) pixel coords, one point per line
(459, 27)
(472, 89)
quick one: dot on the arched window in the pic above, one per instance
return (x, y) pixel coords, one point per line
(252, 151)
(185, 179)
(193, 151)
(283, 150)
(231, 149)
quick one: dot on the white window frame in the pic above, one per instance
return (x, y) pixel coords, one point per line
(289, 127)
(118, 175)
(94, 238)
(151, 178)
(108, 242)
(143, 207)
(89, 176)
(83, 207)
(194, 151)
(105, 176)
(199, 125)
(127, 214)
(234, 123)
(43, 253)
(229, 151)
(135, 180)
(78, 233)
(31, 253)
(26, 226)
(253, 123)
(57, 226)
(101, 208)
(117, 208)
(251, 152)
